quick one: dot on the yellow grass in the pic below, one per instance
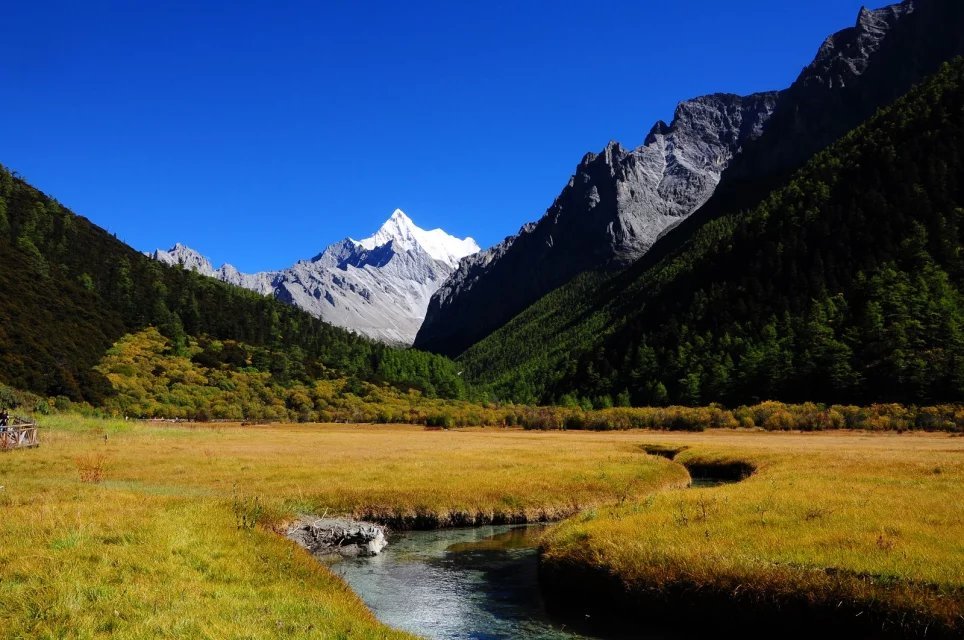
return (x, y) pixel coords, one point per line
(137, 536)
(872, 521)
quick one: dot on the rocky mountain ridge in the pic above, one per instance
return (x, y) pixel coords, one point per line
(855, 72)
(720, 153)
(379, 286)
(610, 213)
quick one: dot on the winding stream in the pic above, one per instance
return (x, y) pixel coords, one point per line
(478, 583)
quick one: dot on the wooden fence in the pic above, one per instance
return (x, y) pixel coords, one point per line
(19, 436)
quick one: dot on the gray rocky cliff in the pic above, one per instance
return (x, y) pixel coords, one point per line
(846, 55)
(611, 212)
(185, 257)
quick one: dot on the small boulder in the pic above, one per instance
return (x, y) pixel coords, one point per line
(341, 536)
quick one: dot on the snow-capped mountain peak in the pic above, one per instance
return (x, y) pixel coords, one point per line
(405, 235)
(379, 286)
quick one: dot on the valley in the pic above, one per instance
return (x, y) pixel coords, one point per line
(715, 388)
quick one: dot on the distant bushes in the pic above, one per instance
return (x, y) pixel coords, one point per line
(382, 407)
(771, 416)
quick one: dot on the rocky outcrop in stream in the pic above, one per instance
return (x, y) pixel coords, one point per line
(339, 536)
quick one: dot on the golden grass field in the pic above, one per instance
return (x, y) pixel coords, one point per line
(871, 521)
(137, 535)
(149, 544)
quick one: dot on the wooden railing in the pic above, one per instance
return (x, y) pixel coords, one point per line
(19, 436)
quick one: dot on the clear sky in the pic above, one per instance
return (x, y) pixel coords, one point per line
(260, 132)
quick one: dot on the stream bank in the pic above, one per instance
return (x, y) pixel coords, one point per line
(691, 609)
(471, 582)
(460, 575)
(745, 606)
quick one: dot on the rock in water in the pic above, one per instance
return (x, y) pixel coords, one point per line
(339, 536)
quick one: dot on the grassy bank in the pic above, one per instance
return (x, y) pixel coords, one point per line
(858, 528)
(147, 533)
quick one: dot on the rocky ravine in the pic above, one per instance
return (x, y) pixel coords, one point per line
(719, 152)
(379, 286)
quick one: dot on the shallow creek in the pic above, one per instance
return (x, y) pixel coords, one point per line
(479, 583)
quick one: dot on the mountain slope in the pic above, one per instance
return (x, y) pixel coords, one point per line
(855, 72)
(379, 287)
(609, 214)
(844, 285)
(69, 290)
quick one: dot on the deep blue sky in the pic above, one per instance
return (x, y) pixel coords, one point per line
(260, 132)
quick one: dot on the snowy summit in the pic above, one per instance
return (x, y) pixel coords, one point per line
(400, 229)
(379, 286)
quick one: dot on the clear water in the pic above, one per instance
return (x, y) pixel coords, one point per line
(702, 482)
(479, 583)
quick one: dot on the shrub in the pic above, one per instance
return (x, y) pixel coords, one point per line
(780, 420)
(8, 398)
(62, 404)
(92, 468)
(440, 420)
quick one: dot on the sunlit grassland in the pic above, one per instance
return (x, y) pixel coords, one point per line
(149, 545)
(872, 522)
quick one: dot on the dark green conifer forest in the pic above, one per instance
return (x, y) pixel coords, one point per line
(69, 290)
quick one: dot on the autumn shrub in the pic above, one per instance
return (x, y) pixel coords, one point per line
(91, 467)
(440, 420)
(781, 420)
(761, 412)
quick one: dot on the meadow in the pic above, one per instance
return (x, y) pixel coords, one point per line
(864, 530)
(125, 529)
(129, 529)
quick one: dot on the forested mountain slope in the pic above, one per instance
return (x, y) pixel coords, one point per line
(843, 285)
(720, 153)
(69, 290)
(856, 71)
